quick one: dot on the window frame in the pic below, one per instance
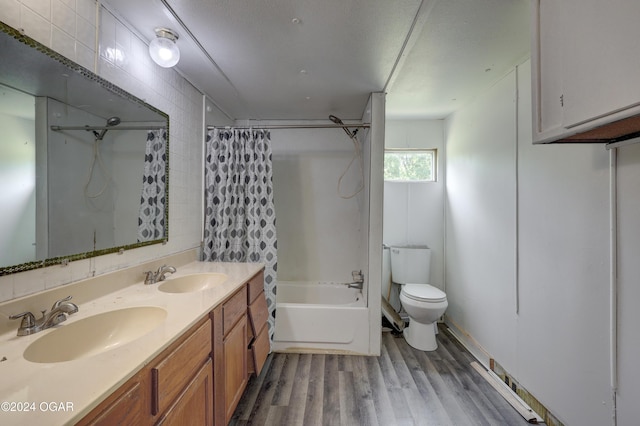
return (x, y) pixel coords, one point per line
(433, 151)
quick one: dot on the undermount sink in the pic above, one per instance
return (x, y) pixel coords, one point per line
(193, 282)
(95, 334)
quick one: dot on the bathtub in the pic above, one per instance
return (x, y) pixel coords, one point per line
(320, 317)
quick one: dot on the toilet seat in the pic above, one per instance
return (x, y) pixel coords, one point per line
(424, 293)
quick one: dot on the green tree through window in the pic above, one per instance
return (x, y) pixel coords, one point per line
(410, 165)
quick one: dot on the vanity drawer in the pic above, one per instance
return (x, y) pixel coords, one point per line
(260, 350)
(175, 371)
(233, 309)
(258, 314)
(256, 286)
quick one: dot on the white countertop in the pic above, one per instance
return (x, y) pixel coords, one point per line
(62, 393)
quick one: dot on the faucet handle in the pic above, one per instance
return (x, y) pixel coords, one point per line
(28, 320)
(57, 303)
(150, 277)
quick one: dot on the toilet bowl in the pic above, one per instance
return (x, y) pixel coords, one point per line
(424, 303)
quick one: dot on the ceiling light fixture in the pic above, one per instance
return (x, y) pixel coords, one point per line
(163, 49)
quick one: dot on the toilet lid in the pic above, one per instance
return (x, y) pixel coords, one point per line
(424, 293)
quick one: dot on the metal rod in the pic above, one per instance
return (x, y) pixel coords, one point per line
(59, 128)
(622, 143)
(295, 126)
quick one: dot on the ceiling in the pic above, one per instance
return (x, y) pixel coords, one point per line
(306, 59)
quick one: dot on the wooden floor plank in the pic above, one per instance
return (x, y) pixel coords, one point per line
(463, 398)
(315, 391)
(363, 393)
(447, 397)
(399, 407)
(383, 399)
(349, 414)
(285, 381)
(259, 412)
(276, 415)
(436, 413)
(331, 397)
(298, 399)
(403, 386)
(248, 401)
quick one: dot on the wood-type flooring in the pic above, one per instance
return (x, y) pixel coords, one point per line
(403, 386)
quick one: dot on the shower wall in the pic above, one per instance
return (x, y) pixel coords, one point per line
(74, 220)
(17, 182)
(103, 215)
(319, 233)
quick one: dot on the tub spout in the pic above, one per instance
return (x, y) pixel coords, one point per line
(358, 280)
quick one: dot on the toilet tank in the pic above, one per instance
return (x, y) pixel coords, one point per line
(410, 264)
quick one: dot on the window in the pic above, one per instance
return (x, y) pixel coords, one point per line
(410, 165)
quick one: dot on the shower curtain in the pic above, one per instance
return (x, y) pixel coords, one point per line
(151, 219)
(240, 221)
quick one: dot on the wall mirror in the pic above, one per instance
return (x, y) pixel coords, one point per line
(83, 164)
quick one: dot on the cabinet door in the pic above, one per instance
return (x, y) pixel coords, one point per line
(260, 350)
(547, 65)
(125, 407)
(195, 404)
(235, 366)
(172, 374)
(601, 58)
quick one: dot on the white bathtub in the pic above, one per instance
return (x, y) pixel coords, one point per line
(321, 317)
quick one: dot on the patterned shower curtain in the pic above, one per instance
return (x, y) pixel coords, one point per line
(240, 221)
(151, 220)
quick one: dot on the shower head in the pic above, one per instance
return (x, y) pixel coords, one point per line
(341, 123)
(336, 120)
(111, 121)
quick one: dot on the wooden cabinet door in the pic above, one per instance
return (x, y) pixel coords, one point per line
(171, 375)
(235, 366)
(194, 407)
(127, 406)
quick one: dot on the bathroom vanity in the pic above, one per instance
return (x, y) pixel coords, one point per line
(190, 368)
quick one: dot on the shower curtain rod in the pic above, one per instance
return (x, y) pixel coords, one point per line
(296, 126)
(58, 128)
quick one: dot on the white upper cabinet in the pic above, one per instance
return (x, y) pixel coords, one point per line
(586, 70)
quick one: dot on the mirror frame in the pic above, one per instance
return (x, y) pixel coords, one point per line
(74, 67)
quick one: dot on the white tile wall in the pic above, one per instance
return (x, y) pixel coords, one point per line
(69, 27)
(66, 26)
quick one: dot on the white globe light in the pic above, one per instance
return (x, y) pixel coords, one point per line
(163, 49)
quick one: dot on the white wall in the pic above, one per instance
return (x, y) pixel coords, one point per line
(480, 220)
(541, 246)
(374, 151)
(17, 181)
(73, 33)
(319, 233)
(563, 273)
(80, 191)
(414, 212)
(628, 269)
(129, 147)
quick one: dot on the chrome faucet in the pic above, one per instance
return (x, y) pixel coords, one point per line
(358, 280)
(355, 285)
(160, 275)
(58, 313)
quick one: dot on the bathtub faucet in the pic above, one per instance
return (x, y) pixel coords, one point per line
(358, 280)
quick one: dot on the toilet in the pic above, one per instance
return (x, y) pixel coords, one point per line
(424, 303)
